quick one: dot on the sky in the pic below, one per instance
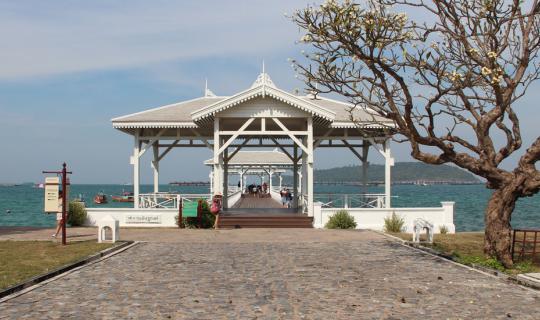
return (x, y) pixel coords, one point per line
(68, 67)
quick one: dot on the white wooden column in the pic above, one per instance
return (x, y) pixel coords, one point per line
(136, 170)
(295, 177)
(309, 169)
(241, 180)
(365, 166)
(270, 173)
(303, 174)
(225, 178)
(218, 158)
(155, 165)
(211, 178)
(388, 163)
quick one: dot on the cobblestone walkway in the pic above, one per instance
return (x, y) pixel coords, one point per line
(361, 275)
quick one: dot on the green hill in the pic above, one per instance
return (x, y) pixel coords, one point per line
(401, 172)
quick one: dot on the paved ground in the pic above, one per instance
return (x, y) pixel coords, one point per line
(273, 274)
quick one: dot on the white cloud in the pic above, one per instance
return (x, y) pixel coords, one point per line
(47, 38)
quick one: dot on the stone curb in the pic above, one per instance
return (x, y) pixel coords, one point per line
(59, 271)
(519, 279)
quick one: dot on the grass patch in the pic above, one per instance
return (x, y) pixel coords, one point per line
(22, 260)
(468, 248)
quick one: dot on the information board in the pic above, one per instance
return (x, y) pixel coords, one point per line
(52, 186)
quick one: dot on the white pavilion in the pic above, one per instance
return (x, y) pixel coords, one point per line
(239, 129)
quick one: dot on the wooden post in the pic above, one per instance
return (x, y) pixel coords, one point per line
(64, 202)
(365, 163)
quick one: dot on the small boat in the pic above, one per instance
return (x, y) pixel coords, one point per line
(125, 197)
(100, 198)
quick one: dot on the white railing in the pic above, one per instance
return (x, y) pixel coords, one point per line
(165, 200)
(232, 189)
(158, 200)
(341, 200)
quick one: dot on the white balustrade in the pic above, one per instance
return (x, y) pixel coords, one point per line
(166, 200)
(340, 200)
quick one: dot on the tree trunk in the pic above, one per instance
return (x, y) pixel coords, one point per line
(498, 231)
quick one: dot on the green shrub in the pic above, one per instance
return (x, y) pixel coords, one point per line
(443, 229)
(76, 214)
(207, 219)
(394, 223)
(341, 220)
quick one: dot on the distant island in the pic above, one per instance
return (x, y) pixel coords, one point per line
(402, 173)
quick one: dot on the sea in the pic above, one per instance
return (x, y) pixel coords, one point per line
(22, 205)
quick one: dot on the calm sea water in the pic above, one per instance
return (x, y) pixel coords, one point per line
(26, 202)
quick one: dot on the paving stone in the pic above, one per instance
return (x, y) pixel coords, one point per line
(357, 276)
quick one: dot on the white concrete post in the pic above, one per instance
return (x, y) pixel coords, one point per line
(155, 166)
(317, 215)
(135, 162)
(448, 216)
(309, 170)
(388, 163)
(280, 181)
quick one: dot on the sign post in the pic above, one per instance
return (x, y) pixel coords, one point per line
(65, 183)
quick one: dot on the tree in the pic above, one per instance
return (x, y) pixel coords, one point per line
(450, 84)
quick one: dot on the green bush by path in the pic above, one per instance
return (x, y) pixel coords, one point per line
(394, 223)
(341, 220)
(76, 214)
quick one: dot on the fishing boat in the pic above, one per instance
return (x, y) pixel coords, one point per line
(100, 198)
(125, 197)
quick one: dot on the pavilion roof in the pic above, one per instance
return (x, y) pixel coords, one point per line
(259, 157)
(186, 114)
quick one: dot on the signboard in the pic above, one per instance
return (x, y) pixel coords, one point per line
(52, 186)
(143, 219)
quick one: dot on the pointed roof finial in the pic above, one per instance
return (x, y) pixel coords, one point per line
(207, 92)
(263, 79)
